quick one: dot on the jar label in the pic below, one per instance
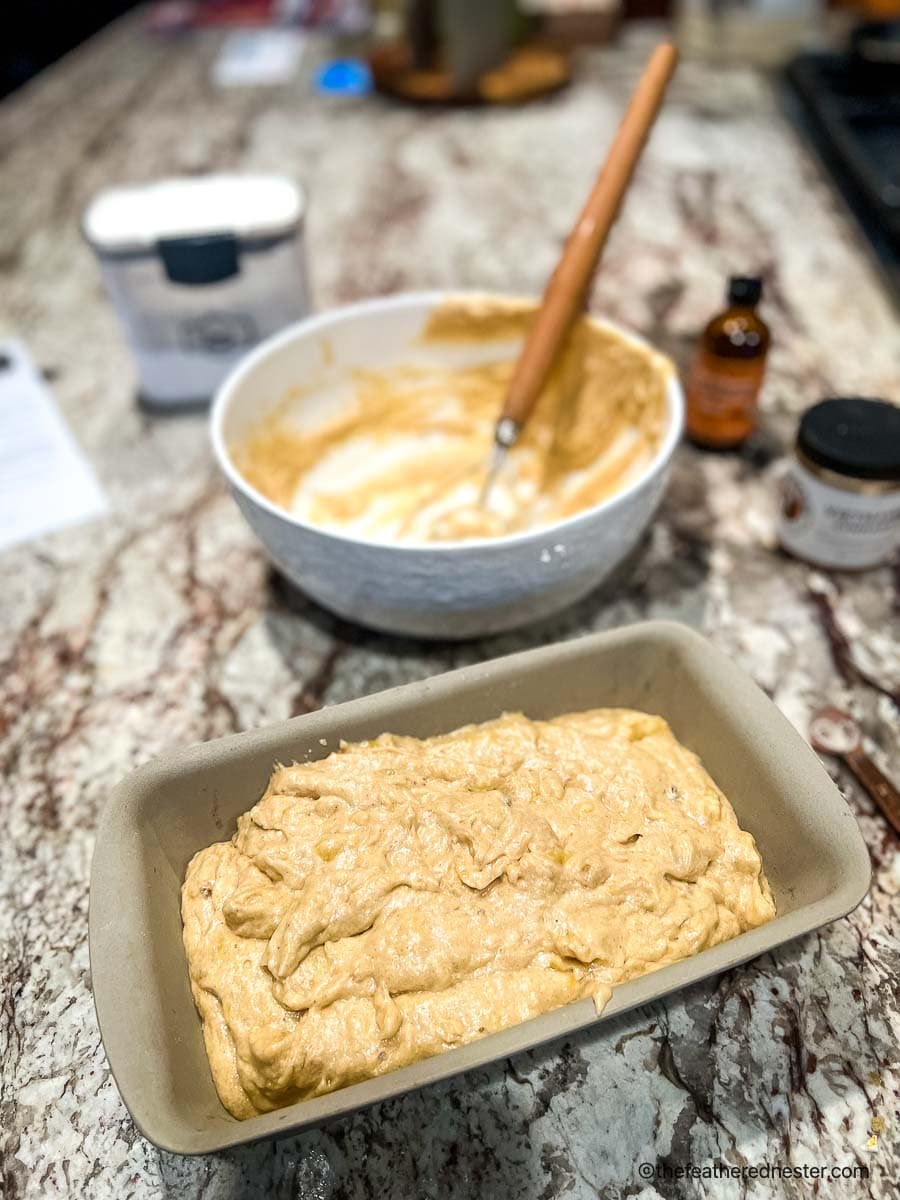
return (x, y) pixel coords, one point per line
(833, 527)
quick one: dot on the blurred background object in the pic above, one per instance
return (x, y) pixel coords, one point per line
(475, 37)
(254, 57)
(199, 270)
(348, 16)
(764, 32)
(576, 22)
(467, 51)
(846, 101)
(44, 30)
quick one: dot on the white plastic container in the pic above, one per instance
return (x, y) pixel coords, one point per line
(199, 270)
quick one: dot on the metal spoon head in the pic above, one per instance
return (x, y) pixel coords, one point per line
(506, 434)
(498, 457)
(832, 731)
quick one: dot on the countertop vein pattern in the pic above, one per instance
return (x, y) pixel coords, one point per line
(161, 625)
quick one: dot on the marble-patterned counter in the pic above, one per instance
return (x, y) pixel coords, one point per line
(161, 624)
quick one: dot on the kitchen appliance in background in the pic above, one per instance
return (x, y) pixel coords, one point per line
(199, 271)
(848, 105)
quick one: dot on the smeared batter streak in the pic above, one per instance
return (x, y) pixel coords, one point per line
(406, 461)
(402, 897)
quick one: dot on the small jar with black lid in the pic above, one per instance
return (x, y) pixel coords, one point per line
(841, 494)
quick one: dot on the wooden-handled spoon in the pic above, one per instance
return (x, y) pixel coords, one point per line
(565, 293)
(832, 731)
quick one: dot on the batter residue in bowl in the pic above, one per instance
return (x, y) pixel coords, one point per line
(405, 896)
(406, 461)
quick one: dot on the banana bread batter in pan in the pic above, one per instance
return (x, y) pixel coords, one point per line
(403, 896)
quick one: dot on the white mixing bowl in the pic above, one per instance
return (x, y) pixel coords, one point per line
(445, 590)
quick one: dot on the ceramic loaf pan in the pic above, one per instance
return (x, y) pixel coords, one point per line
(156, 819)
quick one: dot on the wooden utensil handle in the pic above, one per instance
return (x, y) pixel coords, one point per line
(565, 292)
(876, 784)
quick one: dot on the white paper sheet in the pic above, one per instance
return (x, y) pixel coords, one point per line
(46, 482)
(257, 57)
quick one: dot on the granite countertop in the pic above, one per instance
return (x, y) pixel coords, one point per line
(161, 624)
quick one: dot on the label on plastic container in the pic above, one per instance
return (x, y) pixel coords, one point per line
(836, 527)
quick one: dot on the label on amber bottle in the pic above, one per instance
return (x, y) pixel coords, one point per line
(722, 398)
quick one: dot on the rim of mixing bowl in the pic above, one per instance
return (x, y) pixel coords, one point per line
(430, 299)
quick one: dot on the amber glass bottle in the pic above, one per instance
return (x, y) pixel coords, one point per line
(727, 373)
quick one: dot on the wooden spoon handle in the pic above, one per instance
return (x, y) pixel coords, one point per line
(565, 293)
(876, 784)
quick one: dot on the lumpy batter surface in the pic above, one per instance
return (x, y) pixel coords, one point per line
(406, 460)
(403, 896)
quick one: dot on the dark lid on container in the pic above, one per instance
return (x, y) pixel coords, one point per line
(853, 436)
(745, 290)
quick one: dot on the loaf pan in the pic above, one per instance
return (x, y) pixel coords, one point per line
(813, 854)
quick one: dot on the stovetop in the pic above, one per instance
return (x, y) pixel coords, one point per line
(854, 123)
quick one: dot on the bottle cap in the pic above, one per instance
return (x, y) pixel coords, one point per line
(744, 289)
(853, 436)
